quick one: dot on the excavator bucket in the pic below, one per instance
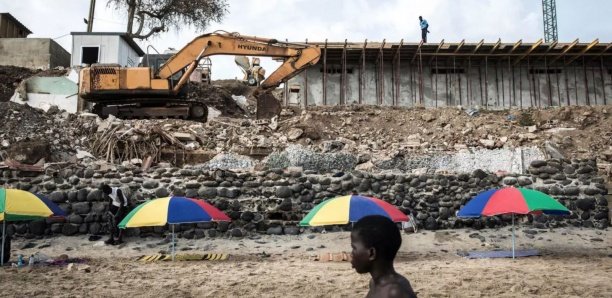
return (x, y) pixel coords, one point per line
(243, 62)
(267, 105)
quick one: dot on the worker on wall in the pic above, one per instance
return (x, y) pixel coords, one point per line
(424, 29)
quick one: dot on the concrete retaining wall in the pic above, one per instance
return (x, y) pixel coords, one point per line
(43, 53)
(495, 86)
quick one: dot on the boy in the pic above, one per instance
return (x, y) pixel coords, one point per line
(375, 241)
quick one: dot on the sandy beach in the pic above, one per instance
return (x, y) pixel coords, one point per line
(574, 263)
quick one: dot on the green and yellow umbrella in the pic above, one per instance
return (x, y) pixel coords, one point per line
(17, 205)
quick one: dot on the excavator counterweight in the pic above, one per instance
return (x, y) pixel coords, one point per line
(140, 92)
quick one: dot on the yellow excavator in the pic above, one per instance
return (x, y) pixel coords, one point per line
(146, 92)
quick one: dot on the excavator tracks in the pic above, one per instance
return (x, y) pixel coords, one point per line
(153, 108)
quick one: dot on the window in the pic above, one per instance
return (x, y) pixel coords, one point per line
(130, 61)
(336, 69)
(90, 55)
(446, 70)
(544, 71)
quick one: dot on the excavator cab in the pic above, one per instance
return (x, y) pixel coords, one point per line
(156, 61)
(205, 70)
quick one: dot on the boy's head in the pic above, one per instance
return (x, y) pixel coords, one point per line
(374, 239)
(106, 189)
(420, 18)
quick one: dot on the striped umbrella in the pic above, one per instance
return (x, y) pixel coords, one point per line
(16, 205)
(172, 211)
(513, 201)
(345, 209)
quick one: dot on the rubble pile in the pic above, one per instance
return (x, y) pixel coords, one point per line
(116, 140)
(219, 96)
(322, 138)
(54, 136)
(386, 137)
(577, 131)
(10, 77)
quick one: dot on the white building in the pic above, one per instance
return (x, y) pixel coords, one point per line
(104, 47)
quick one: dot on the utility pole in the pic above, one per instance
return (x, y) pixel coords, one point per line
(90, 20)
(549, 8)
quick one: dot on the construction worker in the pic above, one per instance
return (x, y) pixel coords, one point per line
(257, 71)
(117, 210)
(424, 29)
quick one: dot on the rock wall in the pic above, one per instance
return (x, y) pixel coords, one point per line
(273, 201)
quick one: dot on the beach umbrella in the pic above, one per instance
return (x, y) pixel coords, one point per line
(17, 205)
(513, 201)
(172, 211)
(345, 209)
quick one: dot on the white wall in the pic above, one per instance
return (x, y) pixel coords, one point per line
(109, 47)
(46, 101)
(127, 55)
(44, 92)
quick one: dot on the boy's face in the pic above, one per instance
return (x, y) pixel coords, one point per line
(362, 256)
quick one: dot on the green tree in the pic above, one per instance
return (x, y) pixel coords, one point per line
(149, 17)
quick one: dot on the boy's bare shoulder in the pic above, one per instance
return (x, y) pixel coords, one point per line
(398, 286)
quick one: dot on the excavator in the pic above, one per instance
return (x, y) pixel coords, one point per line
(146, 92)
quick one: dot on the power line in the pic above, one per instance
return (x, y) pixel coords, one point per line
(109, 21)
(61, 36)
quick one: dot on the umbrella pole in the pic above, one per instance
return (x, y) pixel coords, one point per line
(173, 243)
(3, 236)
(512, 235)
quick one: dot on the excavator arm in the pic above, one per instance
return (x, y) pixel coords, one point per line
(297, 57)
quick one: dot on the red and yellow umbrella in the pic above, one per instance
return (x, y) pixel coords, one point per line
(345, 209)
(172, 211)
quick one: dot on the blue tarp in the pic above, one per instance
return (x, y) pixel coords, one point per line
(494, 254)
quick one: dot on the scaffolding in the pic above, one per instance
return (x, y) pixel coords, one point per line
(549, 8)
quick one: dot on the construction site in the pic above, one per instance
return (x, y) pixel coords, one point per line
(422, 126)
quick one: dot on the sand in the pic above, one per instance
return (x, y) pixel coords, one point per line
(574, 263)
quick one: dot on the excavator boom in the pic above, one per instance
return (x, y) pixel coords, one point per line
(298, 57)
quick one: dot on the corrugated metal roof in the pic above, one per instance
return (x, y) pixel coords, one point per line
(12, 18)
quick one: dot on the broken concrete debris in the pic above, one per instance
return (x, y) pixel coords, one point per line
(184, 137)
(377, 132)
(294, 134)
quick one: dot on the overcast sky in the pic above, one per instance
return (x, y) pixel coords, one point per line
(337, 20)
